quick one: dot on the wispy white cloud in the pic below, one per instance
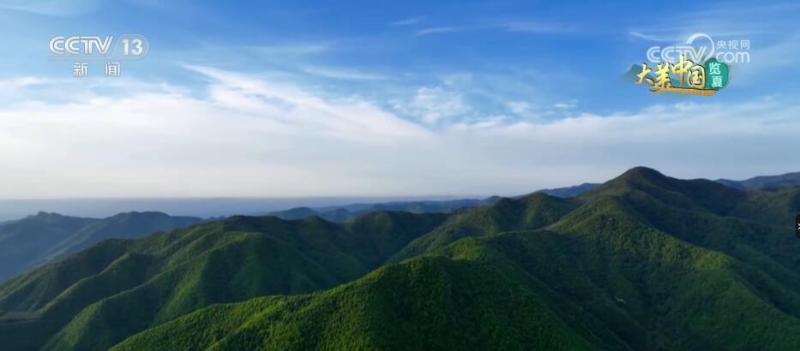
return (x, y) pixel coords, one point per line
(310, 112)
(440, 30)
(722, 21)
(650, 37)
(520, 108)
(530, 26)
(779, 54)
(433, 105)
(21, 82)
(343, 74)
(12, 89)
(293, 49)
(249, 135)
(769, 58)
(566, 105)
(520, 26)
(534, 112)
(407, 21)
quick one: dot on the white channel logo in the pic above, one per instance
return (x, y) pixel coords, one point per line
(128, 46)
(700, 47)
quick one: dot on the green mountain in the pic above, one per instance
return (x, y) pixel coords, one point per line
(349, 212)
(642, 262)
(525, 213)
(97, 297)
(423, 304)
(570, 191)
(38, 239)
(764, 182)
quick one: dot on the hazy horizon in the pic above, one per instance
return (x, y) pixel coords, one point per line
(209, 207)
(12, 209)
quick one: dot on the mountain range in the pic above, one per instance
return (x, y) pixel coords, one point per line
(347, 212)
(37, 239)
(641, 262)
(764, 182)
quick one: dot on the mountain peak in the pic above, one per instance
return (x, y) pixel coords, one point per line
(142, 213)
(47, 214)
(642, 172)
(688, 193)
(637, 177)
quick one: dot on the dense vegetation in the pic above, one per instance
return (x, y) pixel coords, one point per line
(95, 298)
(764, 182)
(41, 238)
(642, 262)
(348, 212)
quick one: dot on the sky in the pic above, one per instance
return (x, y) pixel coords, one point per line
(366, 98)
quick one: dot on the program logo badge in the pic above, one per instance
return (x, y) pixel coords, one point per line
(701, 66)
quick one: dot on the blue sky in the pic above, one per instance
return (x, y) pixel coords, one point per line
(304, 98)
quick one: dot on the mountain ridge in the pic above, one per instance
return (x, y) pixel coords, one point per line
(178, 271)
(764, 182)
(644, 261)
(46, 236)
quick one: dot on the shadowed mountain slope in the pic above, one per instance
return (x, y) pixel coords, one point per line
(38, 239)
(95, 298)
(641, 262)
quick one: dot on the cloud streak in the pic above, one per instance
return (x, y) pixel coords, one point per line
(440, 30)
(343, 74)
(247, 135)
(513, 26)
(407, 21)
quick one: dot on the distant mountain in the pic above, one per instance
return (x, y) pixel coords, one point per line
(570, 191)
(349, 212)
(764, 182)
(218, 207)
(641, 262)
(346, 212)
(37, 239)
(755, 183)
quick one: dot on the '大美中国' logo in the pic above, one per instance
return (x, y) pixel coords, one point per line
(699, 66)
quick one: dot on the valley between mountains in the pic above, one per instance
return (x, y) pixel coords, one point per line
(641, 262)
